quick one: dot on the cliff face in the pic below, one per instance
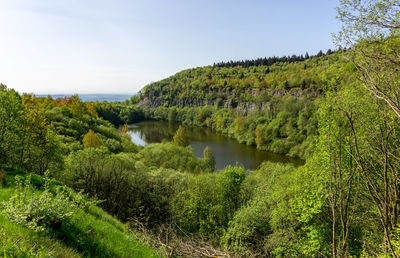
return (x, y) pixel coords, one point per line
(154, 99)
(244, 88)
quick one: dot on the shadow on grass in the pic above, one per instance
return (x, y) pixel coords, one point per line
(84, 241)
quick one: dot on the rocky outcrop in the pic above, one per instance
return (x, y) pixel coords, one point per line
(154, 99)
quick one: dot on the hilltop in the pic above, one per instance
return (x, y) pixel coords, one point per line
(246, 85)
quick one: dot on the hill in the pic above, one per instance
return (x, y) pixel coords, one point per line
(270, 106)
(244, 87)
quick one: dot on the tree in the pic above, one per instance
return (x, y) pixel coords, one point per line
(11, 127)
(239, 122)
(334, 153)
(229, 182)
(125, 129)
(91, 140)
(218, 123)
(209, 158)
(371, 30)
(259, 136)
(40, 148)
(180, 137)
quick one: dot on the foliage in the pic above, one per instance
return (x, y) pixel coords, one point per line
(228, 185)
(91, 140)
(270, 61)
(41, 211)
(89, 232)
(168, 155)
(243, 87)
(339, 111)
(208, 158)
(26, 139)
(180, 137)
(197, 210)
(289, 129)
(10, 125)
(128, 188)
(102, 175)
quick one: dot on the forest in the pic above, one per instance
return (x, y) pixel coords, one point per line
(73, 184)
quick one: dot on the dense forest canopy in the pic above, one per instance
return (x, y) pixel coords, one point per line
(268, 61)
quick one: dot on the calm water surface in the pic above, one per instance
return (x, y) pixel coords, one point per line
(226, 151)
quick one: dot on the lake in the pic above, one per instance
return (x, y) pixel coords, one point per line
(227, 151)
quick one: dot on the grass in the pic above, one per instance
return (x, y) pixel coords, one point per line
(18, 241)
(88, 233)
(97, 234)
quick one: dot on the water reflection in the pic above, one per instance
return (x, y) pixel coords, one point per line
(226, 151)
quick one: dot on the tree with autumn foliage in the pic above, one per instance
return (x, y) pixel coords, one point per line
(180, 137)
(91, 140)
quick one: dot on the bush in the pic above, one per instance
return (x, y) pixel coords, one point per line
(107, 176)
(169, 155)
(113, 145)
(197, 209)
(44, 210)
(229, 182)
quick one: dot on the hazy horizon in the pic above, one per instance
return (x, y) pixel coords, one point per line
(92, 47)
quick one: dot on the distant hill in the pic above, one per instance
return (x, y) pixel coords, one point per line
(93, 97)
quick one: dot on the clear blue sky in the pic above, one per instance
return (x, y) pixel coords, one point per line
(119, 46)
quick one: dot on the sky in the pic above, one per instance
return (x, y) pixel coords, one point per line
(119, 46)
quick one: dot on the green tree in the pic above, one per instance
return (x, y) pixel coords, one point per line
(371, 29)
(239, 121)
(218, 123)
(40, 147)
(11, 125)
(259, 136)
(180, 137)
(209, 158)
(229, 182)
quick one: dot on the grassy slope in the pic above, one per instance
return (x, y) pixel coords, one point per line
(93, 233)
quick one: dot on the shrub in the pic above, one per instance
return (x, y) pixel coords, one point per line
(41, 210)
(229, 182)
(169, 155)
(113, 145)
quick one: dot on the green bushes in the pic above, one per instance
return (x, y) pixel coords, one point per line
(129, 186)
(197, 209)
(168, 155)
(253, 225)
(209, 201)
(103, 175)
(229, 182)
(83, 232)
(41, 211)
